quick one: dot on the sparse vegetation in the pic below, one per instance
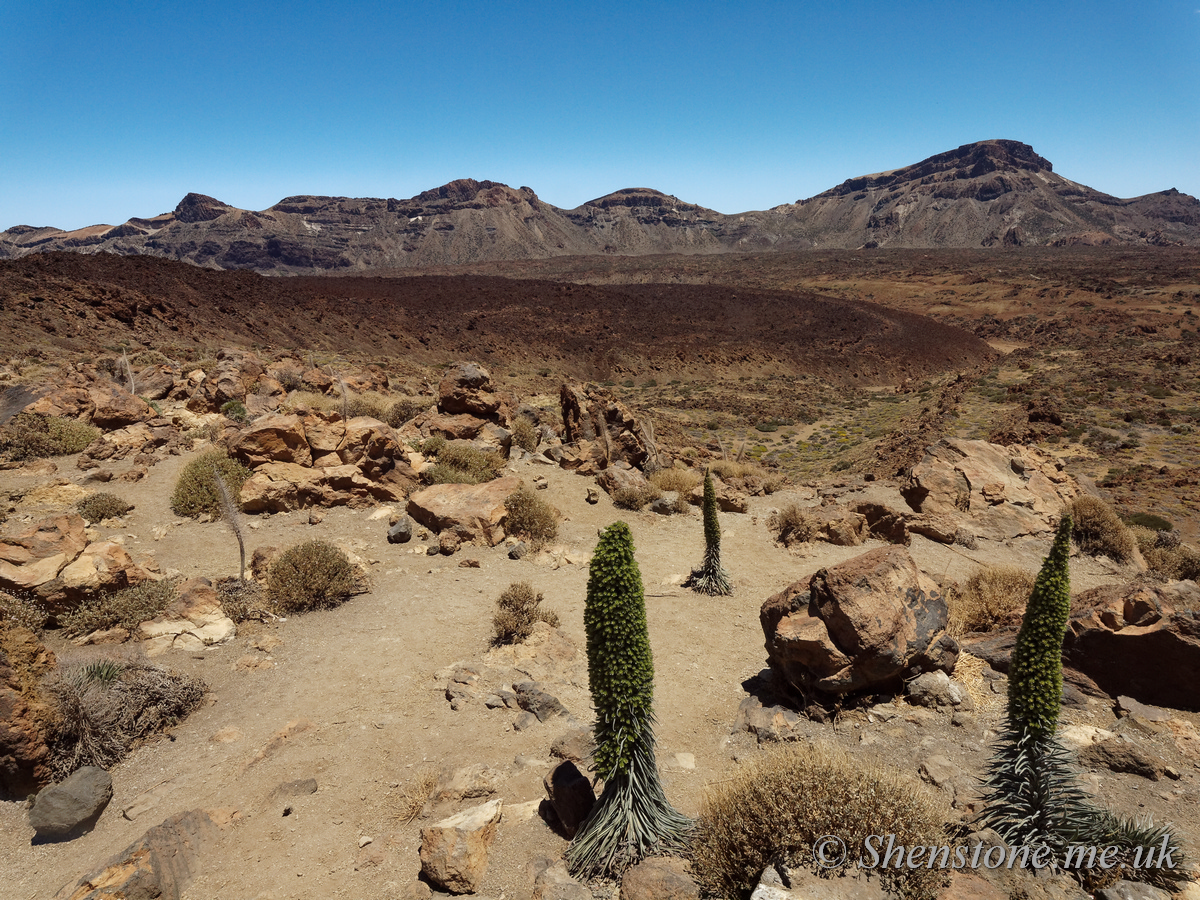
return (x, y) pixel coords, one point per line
(635, 498)
(242, 599)
(369, 403)
(196, 490)
(405, 409)
(101, 506)
(460, 462)
(313, 575)
(989, 597)
(104, 707)
(126, 608)
(413, 795)
(21, 610)
(432, 445)
(531, 517)
(524, 433)
(1099, 531)
(517, 610)
(791, 525)
(774, 807)
(235, 410)
(1165, 555)
(30, 435)
(682, 481)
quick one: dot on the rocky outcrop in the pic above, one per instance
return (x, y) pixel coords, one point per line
(592, 414)
(234, 377)
(454, 851)
(193, 621)
(24, 755)
(467, 389)
(476, 511)
(865, 624)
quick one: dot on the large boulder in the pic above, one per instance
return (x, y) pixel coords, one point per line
(71, 807)
(592, 414)
(1006, 492)
(865, 624)
(621, 476)
(729, 499)
(275, 438)
(467, 388)
(115, 407)
(193, 621)
(283, 487)
(454, 852)
(36, 555)
(102, 566)
(24, 715)
(474, 510)
(235, 375)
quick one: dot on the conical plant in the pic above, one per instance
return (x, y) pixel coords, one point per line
(711, 578)
(632, 819)
(1031, 789)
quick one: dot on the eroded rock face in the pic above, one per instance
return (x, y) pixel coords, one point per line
(454, 852)
(862, 625)
(24, 756)
(467, 388)
(276, 438)
(592, 414)
(476, 510)
(36, 555)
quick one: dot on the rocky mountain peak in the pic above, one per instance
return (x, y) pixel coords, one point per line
(200, 208)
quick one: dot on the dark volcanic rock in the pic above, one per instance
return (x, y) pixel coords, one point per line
(71, 807)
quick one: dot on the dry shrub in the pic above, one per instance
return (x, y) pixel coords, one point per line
(369, 403)
(242, 600)
(1099, 531)
(432, 445)
(30, 435)
(298, 400)
(412, 796)
(730, 468)
(776, 805)
(127, 608)
(991, 596)
(682, 481)
(461, 462)
(21, 610)
(313, 575)
(791, 525)
(635, 498)
(101, 506)
(1165, 555)
(290, 378)
(524, 433)
(104, 707)
(405, 409)
(531, 517)
(517, 609)
(196, 490)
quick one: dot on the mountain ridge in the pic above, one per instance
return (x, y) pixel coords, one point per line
(984, 194)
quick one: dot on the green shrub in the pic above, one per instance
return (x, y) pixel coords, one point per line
(990, 596)
(405, 409)
(196, 490)
(101, 506)
(34, 436)
(531, 517)
(524, 433)
(127, 608)
(517, 610)
(313, 575)
(774, 807)
(635, 498)
(371, 404)
(1151, 521)
(432, 445)
(460, 462)
(235, 410)
(1098, 530)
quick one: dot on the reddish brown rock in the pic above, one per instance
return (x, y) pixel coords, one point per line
(592, 414)
(477, 509)
(728, 499)
(115, 407)
(24, 714)
(659, 878)
(36, 555)
(467, 388)
(454, 852)
(276, 438)
(102, 566)
(67, 402)
(867, 623)
(622, 476)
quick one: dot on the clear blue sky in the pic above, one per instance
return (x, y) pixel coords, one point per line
(116, 109)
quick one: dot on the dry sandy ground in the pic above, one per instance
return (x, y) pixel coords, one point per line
(361, 681)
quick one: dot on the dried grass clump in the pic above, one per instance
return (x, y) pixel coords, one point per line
(1099, 531)
(405, 409)
(242, 600)
(517, 610)
(290, 378)
(524, 433)
(313, 575)
(990, 596)
(731, 468)
(775, 806)
(791, 525)
(369, 403)
(30, 435)
(196, 490)
(461, 462)
(412, 796)
(298, 400)
(531, 517)
(127, 608)
(682, 481)
(99, 507)
(1166, 556)
(105, 706)
(635, 498)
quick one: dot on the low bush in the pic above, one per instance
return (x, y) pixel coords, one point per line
(773, 808)
(290, 378)
(1099, 531)
(101, 506)
(524, 433)
(313, 575)
(682, 481)
(727, 468)
(369, 403)
(1151, 521)
(196, 490)
(126, 608)
(432, 445)
(21, 610)
(791, 525)
(298, 400)
(104, 707)
(517, 610)
(405, 409)
(242, 600)
(34, 436)
(990, 596)
(1166, 556)
(635, 498)
(530, 517)
(460, 462)
(235, 410)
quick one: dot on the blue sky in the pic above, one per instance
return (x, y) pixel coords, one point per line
(117, 109)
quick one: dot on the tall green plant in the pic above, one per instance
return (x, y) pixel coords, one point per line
(632, 819)
(1031, 790)
(711, 578)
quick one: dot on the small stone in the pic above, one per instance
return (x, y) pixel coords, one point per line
(363, 841)
(65, 810)
(518, 550)
(659, 879)
(316, 518)
(593, 496)
(401, 531)
(468, 564)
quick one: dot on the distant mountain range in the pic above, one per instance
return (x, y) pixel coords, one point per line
(987, 194)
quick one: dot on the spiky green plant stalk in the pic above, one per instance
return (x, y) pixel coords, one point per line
(711, 577)
(632, 819)
(1031, 790)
